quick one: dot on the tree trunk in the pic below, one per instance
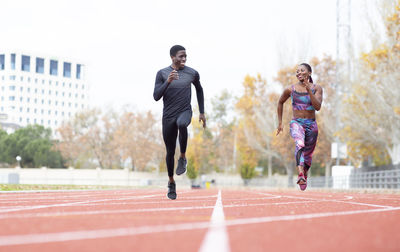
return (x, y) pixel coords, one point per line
(289, 170)
(327, 172)
(269, 166)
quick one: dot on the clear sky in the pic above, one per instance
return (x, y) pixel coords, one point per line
(123, 43)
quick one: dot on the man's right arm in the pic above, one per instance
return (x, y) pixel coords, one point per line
(160, 86)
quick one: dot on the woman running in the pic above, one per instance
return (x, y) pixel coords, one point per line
(306, 98)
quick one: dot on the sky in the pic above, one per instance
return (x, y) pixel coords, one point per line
(123, 43)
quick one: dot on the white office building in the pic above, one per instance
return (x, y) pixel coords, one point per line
(40, 90)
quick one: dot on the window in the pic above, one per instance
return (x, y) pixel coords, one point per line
(2, 98)
(39, 65)
(35, 100)
(41, 121)
(12, 88)
(29, 79)
(20, 99)
(29, 90)
(11, 98)
(49, 82)
(21, 89)
(22, 78)
(28, 109)
(53, 67)
(35, 111)
(35, 90)
(42, 101)
(12, 77)
(56, 93)
(20, 109)
(83, 86)
(49, 112)
(20, 119)
(67, 70)
(2, 59)
(27, 120)
(42, 111)
(35, 80)
(83, 96)
(78, 71)
(25, 63)
(56, 112)
(34, 121)
(42, 81)
(13, 61)
(28, 99)
(42, 91)
(76, 85)
(48, 122)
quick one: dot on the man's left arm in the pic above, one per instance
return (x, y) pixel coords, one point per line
(200, 98)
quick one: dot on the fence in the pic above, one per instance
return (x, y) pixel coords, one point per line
(357, 178)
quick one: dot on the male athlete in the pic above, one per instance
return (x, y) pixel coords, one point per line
(173, 83)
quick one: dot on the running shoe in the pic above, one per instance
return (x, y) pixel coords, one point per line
(171, 191)
(181, 168)
(302, 178)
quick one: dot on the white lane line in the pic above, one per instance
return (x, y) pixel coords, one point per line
(216, 237)
(121, 211)
(72, 203)
(331, 200)
(339, 201)
(22, 208)
(9, 240)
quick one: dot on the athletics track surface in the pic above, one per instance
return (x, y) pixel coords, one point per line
(199, 220)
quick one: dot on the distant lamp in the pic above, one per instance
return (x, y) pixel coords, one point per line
(18, 158)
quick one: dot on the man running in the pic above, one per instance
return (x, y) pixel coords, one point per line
(173, 83)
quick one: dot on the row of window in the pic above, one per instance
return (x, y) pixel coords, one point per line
(39, 66)
(36, 121)
(49, 92)
(12, 98)
(42, 111)
(13, 77)
(36, 111)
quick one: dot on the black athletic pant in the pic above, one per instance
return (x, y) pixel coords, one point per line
(170, 128)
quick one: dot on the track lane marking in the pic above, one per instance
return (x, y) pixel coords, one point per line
(216, 238)
(10, 240)
(331, 200)
(95, 212)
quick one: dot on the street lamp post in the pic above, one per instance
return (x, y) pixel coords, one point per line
(18, 158)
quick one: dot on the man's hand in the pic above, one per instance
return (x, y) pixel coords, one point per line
(173, 75)
(202, 117)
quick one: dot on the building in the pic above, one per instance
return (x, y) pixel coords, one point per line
(40, 90)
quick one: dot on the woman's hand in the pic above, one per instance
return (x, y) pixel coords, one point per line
(279, 130)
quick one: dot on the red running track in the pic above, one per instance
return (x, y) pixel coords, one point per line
(199, 220)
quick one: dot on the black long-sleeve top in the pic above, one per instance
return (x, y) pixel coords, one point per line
(178, 94)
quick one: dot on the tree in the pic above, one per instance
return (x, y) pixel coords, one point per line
(222, 127)
(35, 146)
(372, 106)
(257, 111)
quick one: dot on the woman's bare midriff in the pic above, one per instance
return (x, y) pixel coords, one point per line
(309, 114)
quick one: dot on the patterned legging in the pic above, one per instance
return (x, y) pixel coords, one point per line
(304, 131)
